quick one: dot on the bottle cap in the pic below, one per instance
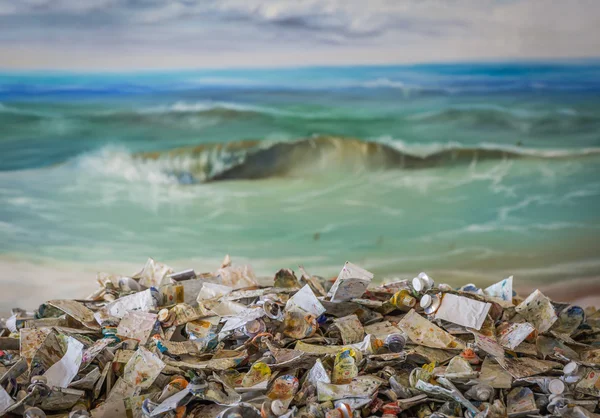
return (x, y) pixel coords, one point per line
(39, 379)
(254, 327)
(556, 387)
(425, 301)
(395, 342)
(163, 315)
(272, 309)
(422, 282)
(434, 305)
(418, 284)
(278, 407)
(571, 368)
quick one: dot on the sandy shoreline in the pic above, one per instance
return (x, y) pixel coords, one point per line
(583, 292)
(27, 284)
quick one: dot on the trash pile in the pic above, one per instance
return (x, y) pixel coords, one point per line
(179, 344)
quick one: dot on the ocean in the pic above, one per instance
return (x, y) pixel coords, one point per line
(470, 172)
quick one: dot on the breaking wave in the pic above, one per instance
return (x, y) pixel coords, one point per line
(252, 160)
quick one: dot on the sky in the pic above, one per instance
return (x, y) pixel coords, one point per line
(177, 34)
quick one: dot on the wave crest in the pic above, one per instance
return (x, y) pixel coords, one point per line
(249, 160)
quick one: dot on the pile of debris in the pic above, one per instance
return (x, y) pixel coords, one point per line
(166, 344)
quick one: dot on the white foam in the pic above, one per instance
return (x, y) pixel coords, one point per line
(384, 82)
(117, 162)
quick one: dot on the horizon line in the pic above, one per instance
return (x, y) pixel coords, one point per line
(482, 61)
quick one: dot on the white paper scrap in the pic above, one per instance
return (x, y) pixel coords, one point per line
(137, 325)
(64, 371)
(351, 283)
(237, 277)
(248, 315)
(463, 311)
(140, 301)
(318, 373)
(228, 308)
(153, 274)
(213, 291)
(305, 300)
(501, 290)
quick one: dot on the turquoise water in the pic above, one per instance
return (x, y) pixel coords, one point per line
(88, 173)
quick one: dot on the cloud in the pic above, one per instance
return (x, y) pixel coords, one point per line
(337, 30)
(8, 7)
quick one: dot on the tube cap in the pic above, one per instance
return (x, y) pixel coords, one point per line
(571, 368)
(556, 387)
(425, 301)
(418, 284)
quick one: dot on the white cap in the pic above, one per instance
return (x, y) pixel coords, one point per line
(278, 407)
(570, 368)
(552, 397)
(418, 284)
(556, 387)
(425, 301)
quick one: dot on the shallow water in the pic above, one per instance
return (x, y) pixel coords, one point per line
(77, 184)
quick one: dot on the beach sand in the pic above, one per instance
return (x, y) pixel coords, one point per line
(27, 284)
(583, 291)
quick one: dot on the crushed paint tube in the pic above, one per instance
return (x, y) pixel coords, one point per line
(360, 387)
(590, 383)
(142, 368)
(520, 402)
(77, 310)
(459, 368)
(570, 317)
(350, 329)
(511, 335)
(538, 310)
(344, 366)
(525, 367)
(448, 391)
(463, 311)
(494, 375)
(137, 326)
(421, 331)
(299, 325)
(489, 345)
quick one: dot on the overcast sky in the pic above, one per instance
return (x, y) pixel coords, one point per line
(160, 34)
